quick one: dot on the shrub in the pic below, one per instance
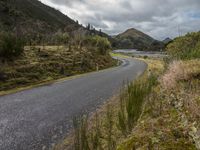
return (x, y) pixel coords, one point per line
(101, 43)
(10, 45)
(145, 57)
(185, 47)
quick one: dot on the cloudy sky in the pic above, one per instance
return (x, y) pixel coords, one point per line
(158, 18)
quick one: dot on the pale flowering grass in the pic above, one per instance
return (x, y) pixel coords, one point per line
(180, 70)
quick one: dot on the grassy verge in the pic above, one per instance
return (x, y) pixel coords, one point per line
(114, 121)
(43, 65)
(171, 116)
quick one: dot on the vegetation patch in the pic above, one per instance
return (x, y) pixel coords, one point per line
(37, 64)
(170, 119)
(185, 47)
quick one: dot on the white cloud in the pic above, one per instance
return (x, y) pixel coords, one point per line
(159, 18)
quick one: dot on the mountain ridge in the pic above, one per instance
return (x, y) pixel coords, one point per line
(32, 16)
(135, 39)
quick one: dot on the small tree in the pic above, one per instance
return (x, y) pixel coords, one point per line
(78, 37)
(10, 45)
(103, 45)
(61, 38)
(88, 26)
(100, 43)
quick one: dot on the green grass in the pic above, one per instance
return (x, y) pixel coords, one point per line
(131, 102)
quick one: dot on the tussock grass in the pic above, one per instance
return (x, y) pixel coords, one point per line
(180, 71)
(171, 115)
(80, 134)
(131, 102)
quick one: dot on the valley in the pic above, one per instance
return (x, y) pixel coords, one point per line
(82, 75)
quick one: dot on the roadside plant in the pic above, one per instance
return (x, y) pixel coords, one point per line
(95, 137)
(80, 133)
(131, 102)
(185, 47)
(10, 45)
(111, 143)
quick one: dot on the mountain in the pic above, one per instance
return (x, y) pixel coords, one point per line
(31, 16)
(167, 40)
(135, 39)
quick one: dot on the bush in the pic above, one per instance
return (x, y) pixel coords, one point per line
(10, 45)
(102, 44)
(185, 47)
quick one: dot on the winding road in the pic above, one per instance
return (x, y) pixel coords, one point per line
(37, 118)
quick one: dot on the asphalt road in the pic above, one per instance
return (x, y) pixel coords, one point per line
(37, 118)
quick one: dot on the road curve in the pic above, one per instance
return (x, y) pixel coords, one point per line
(37, 118)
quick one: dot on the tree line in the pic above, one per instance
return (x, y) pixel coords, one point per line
(12, 44)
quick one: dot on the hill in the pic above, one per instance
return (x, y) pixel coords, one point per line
(135, 39)
(31, 16)
(167, 40)
(39, 43)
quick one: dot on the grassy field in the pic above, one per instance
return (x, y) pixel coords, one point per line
(40, 64)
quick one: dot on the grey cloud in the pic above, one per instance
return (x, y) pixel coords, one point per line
(159, 18)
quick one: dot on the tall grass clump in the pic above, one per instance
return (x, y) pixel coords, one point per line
(87, 137)
(96, 135)
(111, 142)
(131, 103)
(80, 133)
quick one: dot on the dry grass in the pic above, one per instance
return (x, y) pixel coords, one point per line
(43, 64)
(179, 71)
(171, 117)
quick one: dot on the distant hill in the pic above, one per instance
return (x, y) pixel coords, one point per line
(167, 40)
(135, 39)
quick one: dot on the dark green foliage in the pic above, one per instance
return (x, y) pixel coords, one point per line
(185, 47)
(10, 45)
(62, 70)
